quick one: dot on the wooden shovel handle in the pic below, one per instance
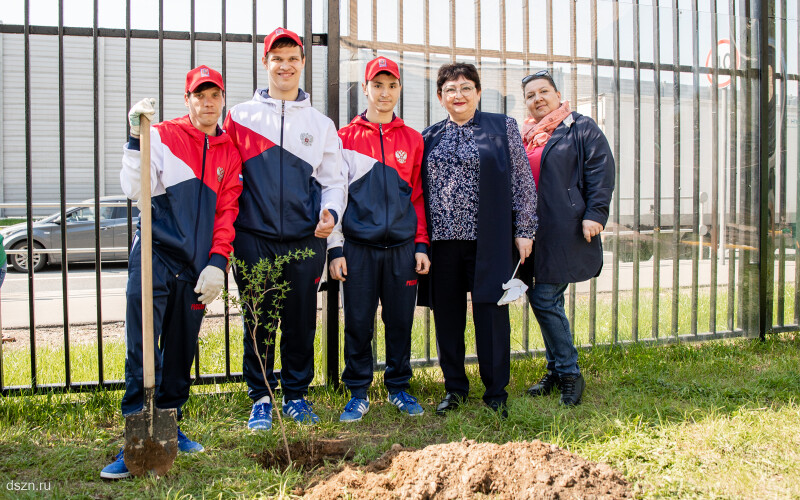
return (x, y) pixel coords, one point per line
(146, 233)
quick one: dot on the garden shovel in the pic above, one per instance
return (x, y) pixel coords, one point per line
(151, 435)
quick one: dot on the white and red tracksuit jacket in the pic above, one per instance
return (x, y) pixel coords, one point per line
(293, 167)
(195, 183)
(385, 207)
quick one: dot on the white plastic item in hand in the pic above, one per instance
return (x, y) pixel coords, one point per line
(514, 289)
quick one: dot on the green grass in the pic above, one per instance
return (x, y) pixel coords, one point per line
(11, 221)
(712, 420)
(50, 359)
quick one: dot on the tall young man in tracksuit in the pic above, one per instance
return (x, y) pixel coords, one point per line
(195, 186)
(382, 242)
(294, 190)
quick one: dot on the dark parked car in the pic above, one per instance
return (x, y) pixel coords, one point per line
(80, 235)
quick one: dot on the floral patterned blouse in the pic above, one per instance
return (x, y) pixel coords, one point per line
(453, 180)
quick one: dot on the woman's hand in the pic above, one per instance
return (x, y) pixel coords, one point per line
(591, 229)
(338, 269)
(423, 263)
(525, 247)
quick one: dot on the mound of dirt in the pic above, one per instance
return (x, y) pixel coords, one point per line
(468, 470)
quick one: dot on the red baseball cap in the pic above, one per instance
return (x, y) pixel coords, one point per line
(379, 64)
(203, 74)
(276, 35)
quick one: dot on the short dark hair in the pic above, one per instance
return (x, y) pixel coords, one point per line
(452, 71)
(287, 42)
(204, 86)
(539, 75)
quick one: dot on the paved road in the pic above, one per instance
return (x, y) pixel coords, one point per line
(82, 291)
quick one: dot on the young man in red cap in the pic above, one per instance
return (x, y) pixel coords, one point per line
(195, 186)
(294, 191)
(382, 242)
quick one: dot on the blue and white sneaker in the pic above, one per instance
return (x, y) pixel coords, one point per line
(300, 411)
(354, 410)
(261, 415)
(116, 469)
(186, 445)
(406, 403)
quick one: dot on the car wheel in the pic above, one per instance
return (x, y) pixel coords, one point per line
(20, 261)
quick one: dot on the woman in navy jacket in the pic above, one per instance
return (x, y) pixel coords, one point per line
(574, 172)
(474, 160)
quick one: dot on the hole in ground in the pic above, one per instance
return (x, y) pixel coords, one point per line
(307, 455)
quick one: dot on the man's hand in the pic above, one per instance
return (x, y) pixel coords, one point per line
(591, 229)
(525, 247)
(325, 225)
(338, 269)
(146, 107)
(209, 284)
(423, 263)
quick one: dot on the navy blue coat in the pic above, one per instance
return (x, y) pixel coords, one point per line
(494, 257)
(576, 182)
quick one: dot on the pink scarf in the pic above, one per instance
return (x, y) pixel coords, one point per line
(535, 134)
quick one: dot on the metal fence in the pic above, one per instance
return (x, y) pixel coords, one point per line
(699, 100)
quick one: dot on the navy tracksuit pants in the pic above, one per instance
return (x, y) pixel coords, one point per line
(388, 275)
(177, 316)
(298, 316)
(452, 276)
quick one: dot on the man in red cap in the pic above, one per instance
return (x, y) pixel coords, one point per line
(195, 185)
(381, 244)
(294, 180)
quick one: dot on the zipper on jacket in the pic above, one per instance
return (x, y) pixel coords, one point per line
(283, 111)
(199, 199)
(385, 194)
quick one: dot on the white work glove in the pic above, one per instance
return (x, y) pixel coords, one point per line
(209, 284)
(147, 107)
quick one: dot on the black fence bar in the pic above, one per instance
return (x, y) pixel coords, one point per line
(332, 330)
(676, 160)
(254, 41)
(697, 249)
(712, 318)
(160, 59)
(62, 184)
(193, 35)
(745, 159)
(595, 93)
(615, 203)
(128, 102)
(308, 42)
(732, 100)
(573, 50)
(656, 169)
(352, 90)
(637, 170)
(781, 220)
(797, 194)
(96, 142)
(29, 187)
(764, 11)
(503, 77)
(400, 56)
(478, 56)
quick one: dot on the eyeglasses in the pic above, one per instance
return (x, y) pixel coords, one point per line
(538, 74)
(465, 90)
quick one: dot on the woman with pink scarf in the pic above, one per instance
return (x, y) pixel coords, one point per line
(574, 173)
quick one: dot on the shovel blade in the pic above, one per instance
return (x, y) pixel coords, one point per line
(151, 441)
